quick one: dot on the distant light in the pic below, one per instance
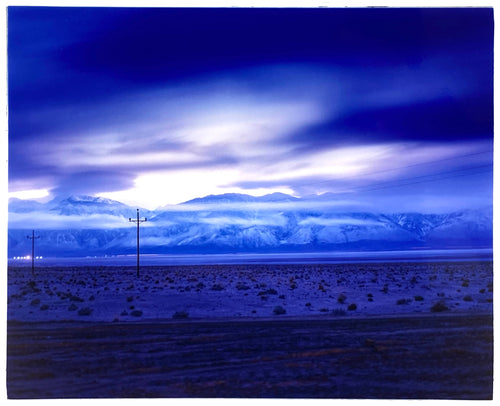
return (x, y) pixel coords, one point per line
(27, 257)
(30, 194)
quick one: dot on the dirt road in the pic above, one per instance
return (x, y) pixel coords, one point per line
(440, 356)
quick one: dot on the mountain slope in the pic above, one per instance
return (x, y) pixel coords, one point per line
(236, 223)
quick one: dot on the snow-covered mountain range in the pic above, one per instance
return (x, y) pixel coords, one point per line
(232, 223)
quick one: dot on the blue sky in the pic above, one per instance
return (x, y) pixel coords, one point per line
(389, 107)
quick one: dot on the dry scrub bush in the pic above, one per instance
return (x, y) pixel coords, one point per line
(439, 307)
(279, 310)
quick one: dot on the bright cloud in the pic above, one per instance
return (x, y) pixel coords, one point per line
(339, 221)
(152, 122)
(29, 194)
(275, 220)
(182, 185)
(278, 206)
(337, 162)
(44, 220)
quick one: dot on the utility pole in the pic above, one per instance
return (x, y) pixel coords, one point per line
(138, 221)
(33, 238)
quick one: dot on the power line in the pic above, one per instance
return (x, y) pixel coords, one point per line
(432, 162)
(327, 181)
(438, 174)
(402, 167)
(377, 187)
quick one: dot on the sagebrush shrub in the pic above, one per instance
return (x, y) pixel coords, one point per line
(439, 307)
(180, 315)
(86, 311)
(279, 310)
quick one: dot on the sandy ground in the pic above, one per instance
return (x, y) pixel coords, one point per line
(248, 291)
(431, 356)
(394, 330)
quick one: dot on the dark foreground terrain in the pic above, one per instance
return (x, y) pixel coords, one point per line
(440, 356)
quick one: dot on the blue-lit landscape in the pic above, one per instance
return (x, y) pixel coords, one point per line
(266, 202)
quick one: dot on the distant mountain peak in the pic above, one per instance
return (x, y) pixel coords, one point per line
(85, 199)
(234, 222)
(278, 197)
(243, 198)
(81, 198)
(222, 198)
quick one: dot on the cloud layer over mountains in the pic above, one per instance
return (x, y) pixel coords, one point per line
(82, 226)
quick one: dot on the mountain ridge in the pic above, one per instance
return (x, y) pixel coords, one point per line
(236, 223)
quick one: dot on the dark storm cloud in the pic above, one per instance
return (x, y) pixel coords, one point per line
(86, 56)
(24, 166)
(155, 44)
(100, 97)
(442, 120)
(99, 51)
(446, 119)
(92, 182)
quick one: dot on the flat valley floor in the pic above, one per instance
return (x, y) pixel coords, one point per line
(362, 331)
(411, 357)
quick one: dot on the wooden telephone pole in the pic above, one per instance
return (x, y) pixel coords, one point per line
(33, 238)
(138, 221)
